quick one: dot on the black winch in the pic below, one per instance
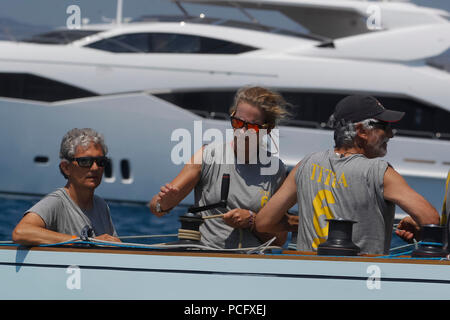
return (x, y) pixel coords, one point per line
(189, 233)
(339, 242)
(431, 242)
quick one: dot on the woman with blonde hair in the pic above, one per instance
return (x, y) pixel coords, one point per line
(254, 113)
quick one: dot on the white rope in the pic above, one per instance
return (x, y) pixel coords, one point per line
(260, 249)
(149, 236)
(185, 234)
(171, 246)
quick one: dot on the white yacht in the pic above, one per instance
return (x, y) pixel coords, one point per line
(137, 82)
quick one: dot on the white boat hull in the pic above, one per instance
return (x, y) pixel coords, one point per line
(61, 273)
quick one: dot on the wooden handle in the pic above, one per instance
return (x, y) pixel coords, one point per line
(214, 216)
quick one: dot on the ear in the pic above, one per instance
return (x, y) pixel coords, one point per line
(361, 132)
(64, 167)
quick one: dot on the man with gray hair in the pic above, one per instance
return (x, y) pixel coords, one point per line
(349, 182)
(63, 214)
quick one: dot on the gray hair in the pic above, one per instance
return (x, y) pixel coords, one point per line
(345, 132)
(80, 138)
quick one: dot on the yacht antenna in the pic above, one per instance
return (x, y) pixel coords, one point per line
(186, 14)
(119, 12)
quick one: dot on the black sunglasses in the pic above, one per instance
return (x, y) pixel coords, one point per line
(87, 162)
(381, 125)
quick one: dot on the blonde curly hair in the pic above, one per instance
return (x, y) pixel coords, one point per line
(271, 103)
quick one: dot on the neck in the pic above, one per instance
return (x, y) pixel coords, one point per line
(344, 152)
(246, 153)
(83, 197)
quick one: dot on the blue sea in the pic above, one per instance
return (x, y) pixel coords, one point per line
(129, 220)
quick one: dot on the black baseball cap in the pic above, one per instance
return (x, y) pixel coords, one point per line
(357, 108)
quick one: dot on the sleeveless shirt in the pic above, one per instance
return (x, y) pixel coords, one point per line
(249, 189)
(351, 187)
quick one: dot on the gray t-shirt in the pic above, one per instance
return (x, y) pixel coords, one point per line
(351, 187)
(62, 215)
(249, 189)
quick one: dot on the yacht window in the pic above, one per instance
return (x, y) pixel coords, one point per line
(174, 43)
(32, 87)
(312, 110)
(41, 159)
(206, 103)
(210, 45)
(168, 43)
(108, 172)
(125, 169)
(59, 36)
(135, 42)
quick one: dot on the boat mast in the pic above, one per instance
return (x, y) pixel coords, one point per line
(119, 12)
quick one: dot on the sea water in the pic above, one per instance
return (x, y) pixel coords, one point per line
(129, 219)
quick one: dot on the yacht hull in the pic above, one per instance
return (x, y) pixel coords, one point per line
(93, 273)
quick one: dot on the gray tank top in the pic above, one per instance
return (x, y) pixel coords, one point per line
(249, 189)
(61, 214)
(351, 187)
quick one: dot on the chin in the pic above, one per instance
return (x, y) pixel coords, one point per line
(92, 184)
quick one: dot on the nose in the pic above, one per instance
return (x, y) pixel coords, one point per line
(241, 130)
(94, 166)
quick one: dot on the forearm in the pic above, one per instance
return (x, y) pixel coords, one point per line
(33, 235)
(266, 226)
(420, 210)
(168, 203)
(173, 193)
(399, 192)
(272, 217)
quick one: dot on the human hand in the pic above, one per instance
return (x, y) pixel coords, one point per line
(107, 237)
(165, 197)
(238, 218)
(407, 229)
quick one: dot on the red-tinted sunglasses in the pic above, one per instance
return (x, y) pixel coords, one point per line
(237, 123)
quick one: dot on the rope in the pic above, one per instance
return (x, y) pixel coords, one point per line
(437, 244)
(185, 234)
(260, 249)
(265, 246)
(149, 236)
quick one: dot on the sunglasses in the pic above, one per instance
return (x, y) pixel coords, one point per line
(237, 123)
(381, 125)
(87, 162)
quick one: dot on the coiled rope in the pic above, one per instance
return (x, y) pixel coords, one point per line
(184, 234)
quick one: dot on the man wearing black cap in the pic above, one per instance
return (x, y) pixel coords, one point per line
(349, 182)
